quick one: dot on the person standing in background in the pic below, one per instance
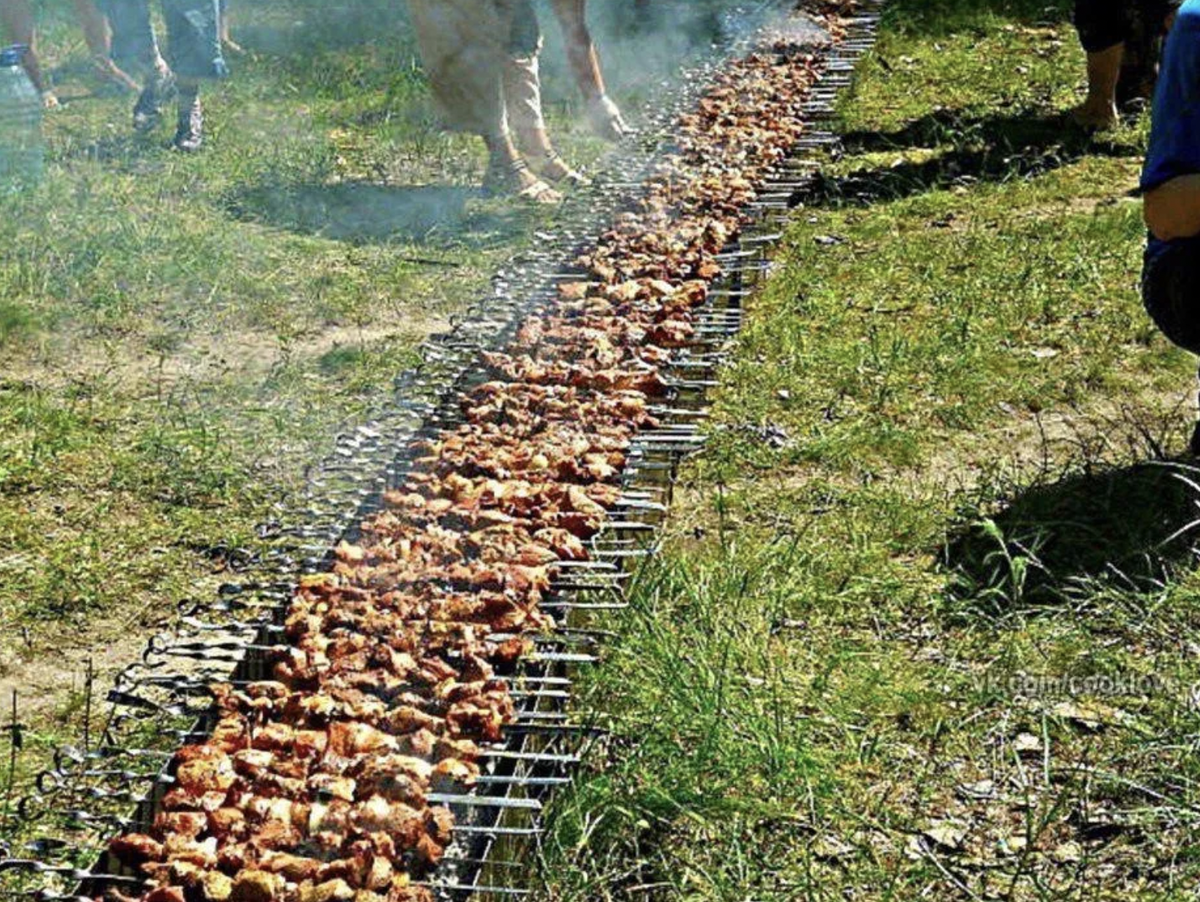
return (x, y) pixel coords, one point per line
(17, 20)
(1122, 40)
(194, 55)
(1171, 187)
(482, 58)
(135, 45)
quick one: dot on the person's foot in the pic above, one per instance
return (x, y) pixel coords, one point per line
(147, 112)
(605, 118)
(189, 135)
(50, 100)
(1097, 115)
(232, 46)
(514, 179)
(555, 170)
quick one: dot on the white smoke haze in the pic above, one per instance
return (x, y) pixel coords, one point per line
(641, 42)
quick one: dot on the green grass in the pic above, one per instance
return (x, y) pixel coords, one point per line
(938, 640)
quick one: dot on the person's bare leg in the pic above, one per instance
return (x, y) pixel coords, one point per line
(1099, 110)
(226, 41)
(99, 40)
(17, 19)
(523, 101)
(581, 52)
(537, 148)
(603, 115)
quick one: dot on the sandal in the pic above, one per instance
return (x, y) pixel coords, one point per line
(506, 181)
(557, 171)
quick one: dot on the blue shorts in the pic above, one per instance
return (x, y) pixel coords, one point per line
(1171, 290)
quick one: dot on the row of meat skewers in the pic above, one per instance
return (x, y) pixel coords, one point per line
(315, 786)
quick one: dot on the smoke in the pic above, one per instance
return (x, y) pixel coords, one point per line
(641, 42)
(300, 28)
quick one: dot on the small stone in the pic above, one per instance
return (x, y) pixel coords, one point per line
(946, 834)
(1027, 744)
(1068, 853)
(1012, 845)
(982, 789)
(1081, 716)
(829, 848)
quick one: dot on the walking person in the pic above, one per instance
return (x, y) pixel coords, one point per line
(1122, 39)
(1171, 186)
(194, 55)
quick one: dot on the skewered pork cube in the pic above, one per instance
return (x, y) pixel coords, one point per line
(203, 769)
(257, 886)
(135, 849)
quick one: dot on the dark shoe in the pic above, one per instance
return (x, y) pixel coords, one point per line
(147, 112)
(189, 136)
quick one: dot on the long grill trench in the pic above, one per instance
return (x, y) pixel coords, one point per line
(390, 725)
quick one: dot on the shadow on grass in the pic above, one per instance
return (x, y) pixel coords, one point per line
(128, 153)
(364, 213)
(988, 149)
(1133, 528)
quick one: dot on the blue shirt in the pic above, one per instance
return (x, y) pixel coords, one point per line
(1175, 129)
